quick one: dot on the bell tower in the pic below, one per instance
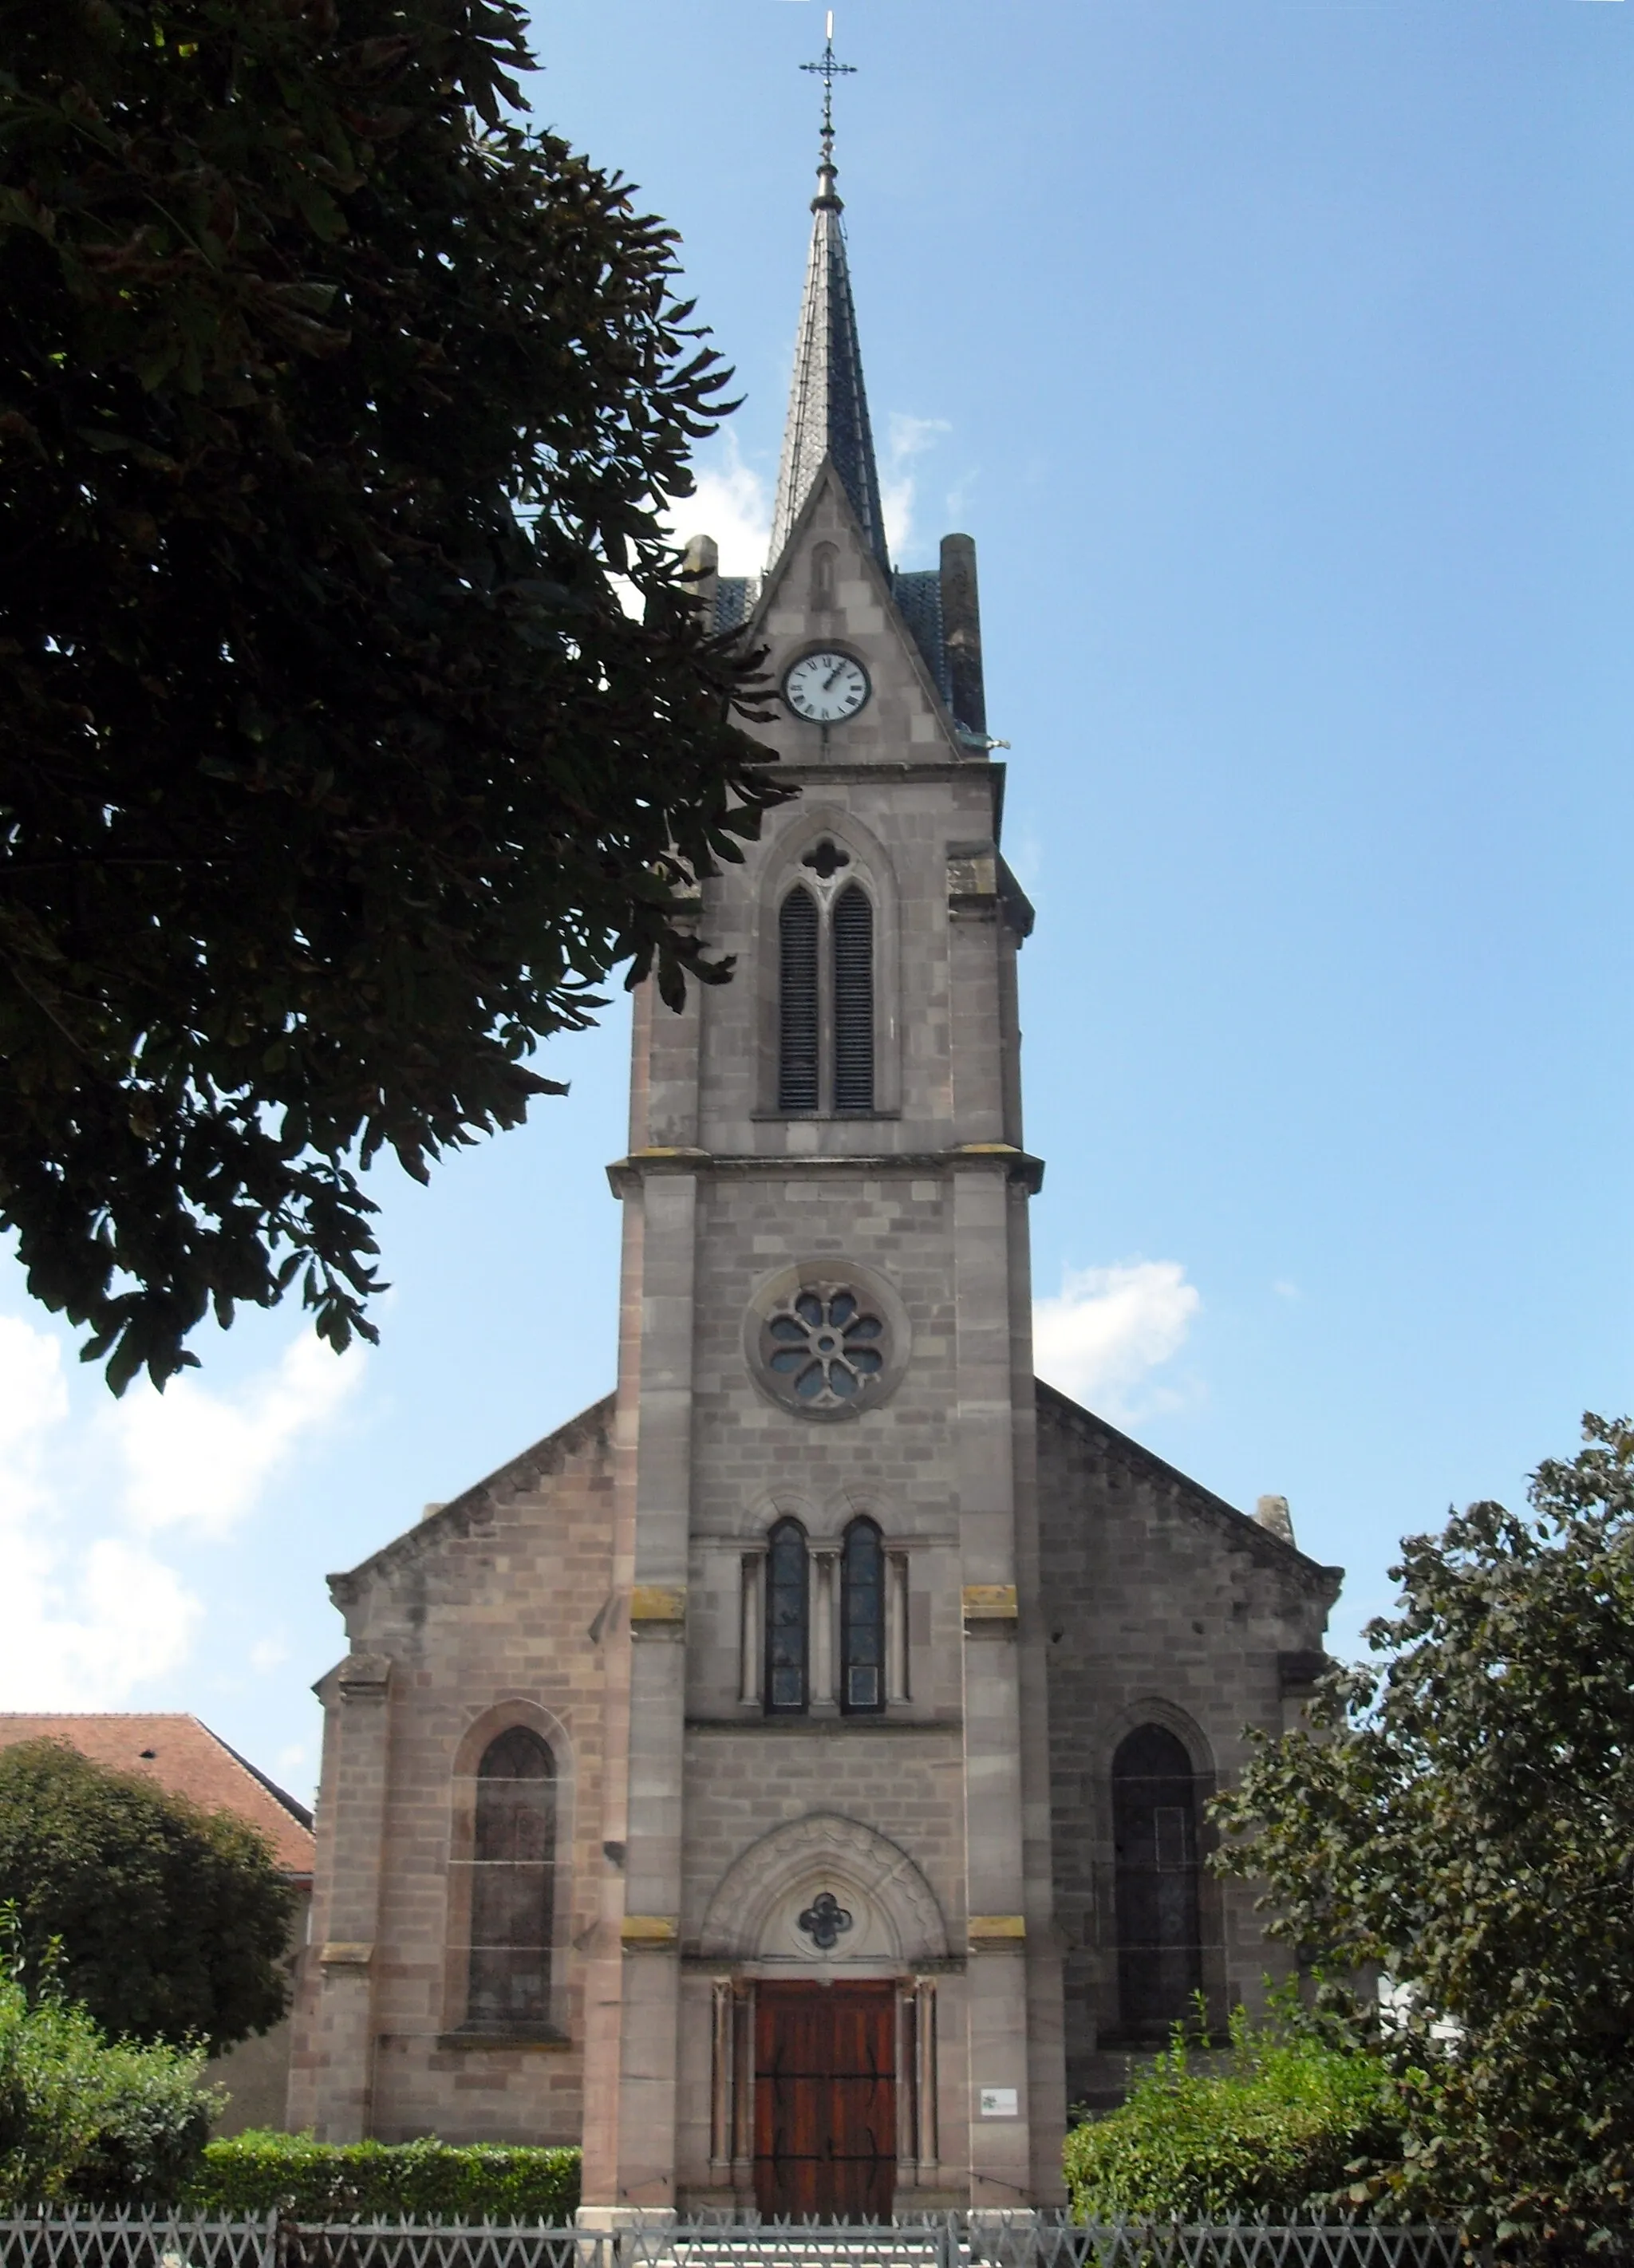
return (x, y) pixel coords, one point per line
(825, 1976)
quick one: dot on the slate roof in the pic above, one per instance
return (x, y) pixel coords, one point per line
(186, 1759)
(918, 596)
(735, 596)
(828, 400)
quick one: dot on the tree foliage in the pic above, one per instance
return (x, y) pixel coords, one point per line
(334, 409)
(1462, 1814)
(1272, 2127)
(164, 1921)
(85, 2120)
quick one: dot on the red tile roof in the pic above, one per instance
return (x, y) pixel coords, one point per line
(189, 1759)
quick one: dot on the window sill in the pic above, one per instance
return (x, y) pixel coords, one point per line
(504, 2036)
(900, 1716)
(821, 1117)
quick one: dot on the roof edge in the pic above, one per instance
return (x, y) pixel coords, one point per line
(344, 1586)
(1313, 1570)
(297, 1812)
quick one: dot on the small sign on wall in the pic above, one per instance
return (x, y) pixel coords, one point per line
(999, 2102)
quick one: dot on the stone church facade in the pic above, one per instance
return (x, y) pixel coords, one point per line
(787, 1777)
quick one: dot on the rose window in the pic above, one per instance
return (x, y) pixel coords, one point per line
(824, 1350)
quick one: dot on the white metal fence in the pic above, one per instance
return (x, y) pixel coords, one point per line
(71, 2238)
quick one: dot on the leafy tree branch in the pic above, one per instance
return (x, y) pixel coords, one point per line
(335, 410)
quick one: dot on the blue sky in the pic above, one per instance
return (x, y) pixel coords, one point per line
(1280, 357)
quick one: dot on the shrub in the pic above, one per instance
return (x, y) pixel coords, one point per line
(86, 2121)
(168, 1922)
(344, 2181)
(1277, 2131)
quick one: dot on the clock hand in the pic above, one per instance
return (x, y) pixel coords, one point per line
(837, 671)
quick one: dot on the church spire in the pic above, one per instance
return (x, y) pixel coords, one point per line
(827, 405)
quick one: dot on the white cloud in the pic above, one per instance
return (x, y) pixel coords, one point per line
(34, 1398)
(76, 1631)
(267, 1653)
(732, 503)
(907, 438)
(1108, 1328)
(200, 1460)
(88, 1618)
(84, 1635)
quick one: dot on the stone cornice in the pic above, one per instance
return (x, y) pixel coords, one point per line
(932, 771)
(1019, 1166)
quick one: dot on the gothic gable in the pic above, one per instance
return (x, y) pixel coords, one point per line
(829, 585)
(582, 1447)
(1074, 1442)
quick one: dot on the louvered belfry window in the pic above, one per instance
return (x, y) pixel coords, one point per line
(853, 1000)
(512, 1886)
(797, 1002)
(825, 992)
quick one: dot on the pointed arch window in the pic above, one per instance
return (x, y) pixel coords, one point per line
(826, 987)
(788, 1600)
(1154, 1823)
(861, 1619)
(798, 1014)
(512, 1881)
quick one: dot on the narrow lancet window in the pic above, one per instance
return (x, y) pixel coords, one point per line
(1155, 1821)
(512, 1886)
(853, 999)
(797, 1002)
(861, 1619)
(787, 1613)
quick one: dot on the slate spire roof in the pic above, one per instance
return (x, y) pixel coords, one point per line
(828, 404)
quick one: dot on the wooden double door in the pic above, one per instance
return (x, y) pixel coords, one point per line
(825, 2100)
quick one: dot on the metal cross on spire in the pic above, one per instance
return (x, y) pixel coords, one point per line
(827, 421)
(827, 70)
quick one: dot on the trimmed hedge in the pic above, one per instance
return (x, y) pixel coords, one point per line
(1281, 2128)
(379, 2181)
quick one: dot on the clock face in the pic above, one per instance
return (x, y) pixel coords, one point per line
(826, 687)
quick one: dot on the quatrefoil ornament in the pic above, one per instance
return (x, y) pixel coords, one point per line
(824, 1921)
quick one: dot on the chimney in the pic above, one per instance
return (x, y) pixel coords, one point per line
(1271, 1514)
(961, 633)
(703, 569)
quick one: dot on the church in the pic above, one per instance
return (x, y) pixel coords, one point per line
(789, 1778)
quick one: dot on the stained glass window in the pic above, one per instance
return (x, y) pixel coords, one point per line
(787, 1604)
(862, 1619)
(513, 1887)
(1154, 1818)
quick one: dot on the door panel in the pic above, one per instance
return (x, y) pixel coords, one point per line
(825, 2101)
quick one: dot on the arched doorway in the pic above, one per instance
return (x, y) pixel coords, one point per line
(1154, 1825)
(824, 2057)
